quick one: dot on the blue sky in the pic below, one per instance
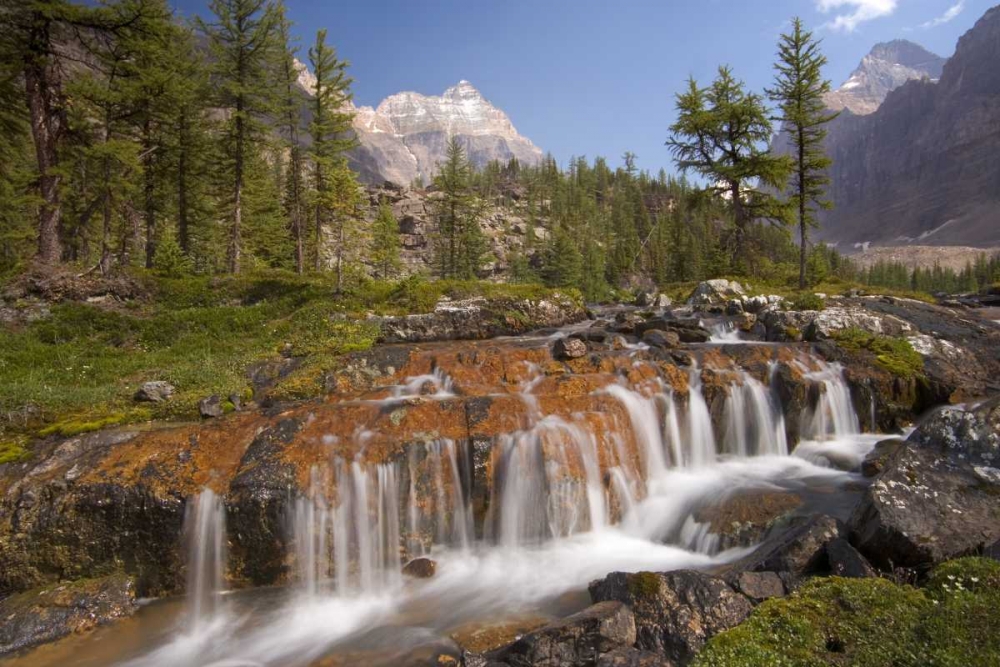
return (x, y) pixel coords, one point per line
(588, 77)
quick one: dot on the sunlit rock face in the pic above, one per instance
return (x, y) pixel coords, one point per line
(405, 137)
(888, 66)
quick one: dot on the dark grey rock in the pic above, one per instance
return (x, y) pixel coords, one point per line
(846, 561)
(579, 639)
(876, 459)
(799, 550)
(758, 586)
(662, 339)
(420, 568)
(210, 407)
(675, 612)
(569, 348)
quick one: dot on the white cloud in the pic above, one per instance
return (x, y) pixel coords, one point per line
(949, 14)
(852, 13)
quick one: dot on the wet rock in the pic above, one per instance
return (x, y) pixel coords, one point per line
(576, 640)
(154, 391)
(715, 292)
(626, 321)
(569, 348)
(44, 615)
(593, 335)
(800, 550)
(734, 307)
(210, 408)
(675, 612)
(689, 331)
(877, 458)
(420, 568)
(744, 519)
(936, 499)
(631, 657)
(661, 339)
(758, 586)
(846, 561)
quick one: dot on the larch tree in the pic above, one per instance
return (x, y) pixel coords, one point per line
(722, 133)
(461, 242)
(385, 242)
(291, 120)
(331, 130)
(242, 40)
(798, 91)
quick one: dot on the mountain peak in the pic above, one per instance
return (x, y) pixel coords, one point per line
(886, 67)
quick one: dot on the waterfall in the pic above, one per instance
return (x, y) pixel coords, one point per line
(359, 534)
(833, 415)
(755, 426)
(700, 434)
(417, 385)
(205, 528)
(547, 483)
(645, 422)
(451, 506)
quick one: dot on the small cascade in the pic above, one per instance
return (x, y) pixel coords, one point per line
(646, 428)
(436, 384)
(698, 537)
(724, 333)
(452, 510)
(700, 435)
(547, 483)
(833, 416)
(755, 426)
(205, 528)
(352, 544)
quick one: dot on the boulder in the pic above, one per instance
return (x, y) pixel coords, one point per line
(569, 348)
(420, 568)
(211, 407)
(625, 322)
(837, 318)
(715, 292)
(743, 519)
(675, 612)
(155, 391)
(758, 586)
(845, 561)
(875, 460)
(663, 339)
(579, 639)
(44, 615)
(688, 330)
(798, 551)
(937, 497)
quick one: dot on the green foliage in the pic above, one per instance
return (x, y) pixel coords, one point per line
(461, 244)
(722, 133)
(895, 355)
(563, 261)
(385, 243)
(838, 621)
(170, 261)
(13, 451)
(807, 301)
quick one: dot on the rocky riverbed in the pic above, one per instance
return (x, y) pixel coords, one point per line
(687, 462)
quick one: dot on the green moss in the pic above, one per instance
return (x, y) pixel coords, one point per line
(793, 333)
(643, 584)
(894, 355)
(838, 621)
(12, 451)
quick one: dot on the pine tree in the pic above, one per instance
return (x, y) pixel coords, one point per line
(722, 133)
(290, 115)
(461, 243)
(170, 260)
(798, 91)
(331, 137)
(563, 261)
(242, 39)
(385, 243)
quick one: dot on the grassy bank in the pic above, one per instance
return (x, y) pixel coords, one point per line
(951, 622)
(77, 369)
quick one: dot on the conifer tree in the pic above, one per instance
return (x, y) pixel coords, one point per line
(336, 190)
(242, 39)
(722, 133)
(461, 243)
(385, 242)
(798, 91)
(290, 115)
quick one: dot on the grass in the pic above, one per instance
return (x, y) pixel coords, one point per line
(894, 355)
(78, 369)
(953, 622)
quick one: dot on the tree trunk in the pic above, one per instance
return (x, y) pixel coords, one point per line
(234, 236)
(739, 214)
(182, 201)
(149, 193)
(43, 89)
(802, 209)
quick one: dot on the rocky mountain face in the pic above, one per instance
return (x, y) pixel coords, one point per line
(922, 168)
(888, 66)
(406, 136)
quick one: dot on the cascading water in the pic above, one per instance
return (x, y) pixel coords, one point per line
(570, 497)
(205, 527)
(755, 426)
(833, 416)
